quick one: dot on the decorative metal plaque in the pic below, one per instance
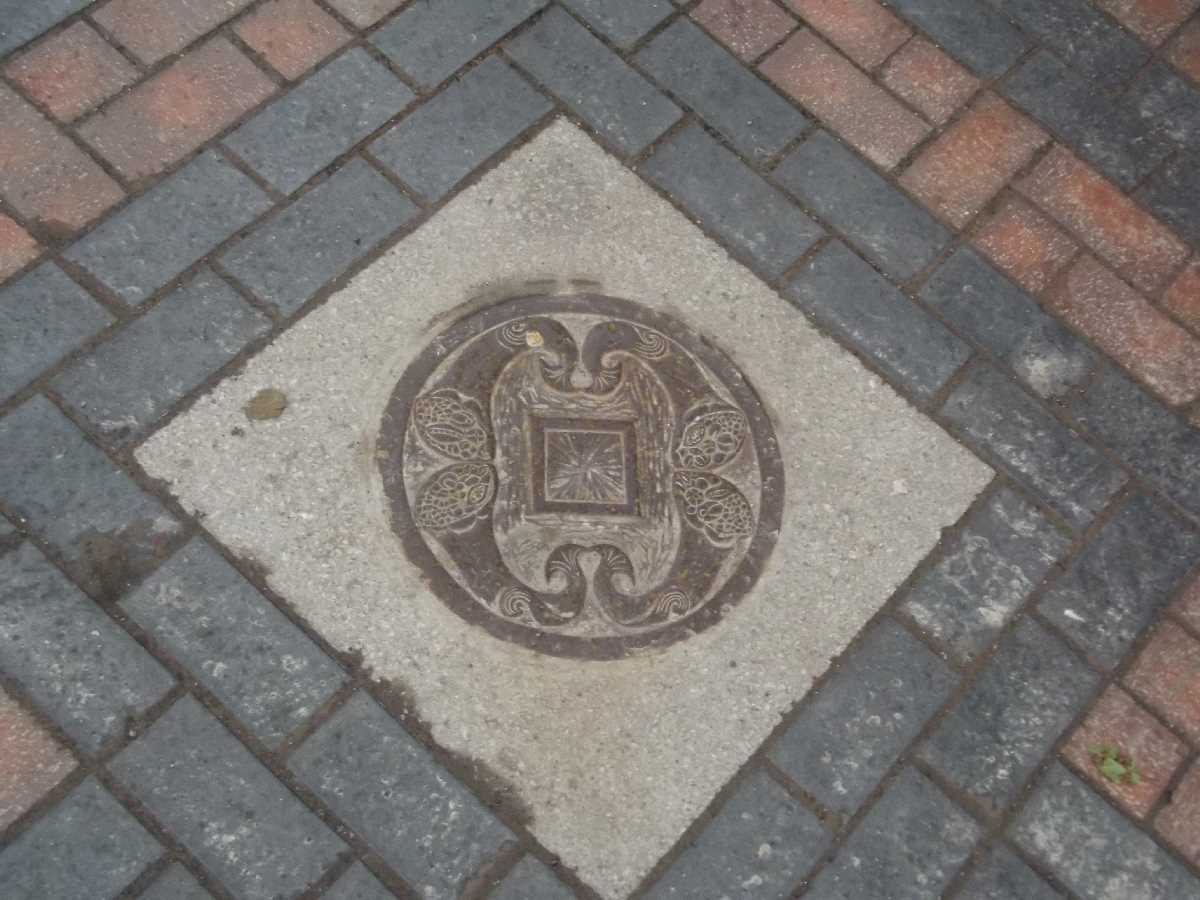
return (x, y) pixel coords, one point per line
(581, 475)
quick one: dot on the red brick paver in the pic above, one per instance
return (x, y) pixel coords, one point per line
(154, 29)
(747, 27)
(1117, 721)
(1167, 676)
(850, 103)
(1183, 296)
(862, 29)
(165, 118)
(17, 247)
(1026, 244)
(1139, 247)
(1185, 49)
(1188, 606)
(929, 80)
(72, 71)
(31, 762)
(1151, 20)
(43, 175)
(292, 35)
(965, 167)
(365, 12)
(1129, 328)
(1179, 822)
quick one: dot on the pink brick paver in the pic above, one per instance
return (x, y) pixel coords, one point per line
(154, 29)
(747, 27)
(164, 119)
(1139, 247)
(1126, 325)
(862, 29)
(44, 175)
(965, 167)
(292, 35)
(72, 71)
(1118, 722)
(1025, 243)
(1167, 676)
(863, 113)
(929, 79)
(17, 246)
(31, 761)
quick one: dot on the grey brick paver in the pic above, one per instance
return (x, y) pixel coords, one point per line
(224, 806)
(77, 665)
(43, 317)
(124, 385)
(430, 41)
(21, 21)
(1109, 137)
(86, 848)
(1099, 49)
(1167, 103)
(1093, 849)
(760, 845)
(303, 131)
(287, 259)
(700, 72)
(1122, 579)
(855, 729)
(989, 569)
(1010, 717)
(850, 298)
(908, 847)
(1153, 440)
(1173, 194)
(622, 21)
(72, 495)
(388, 788)
(529, 879)
(168, 228)
(1003, 876)
(991, 310)
(239, 646)
(357, 883)
(893, 231)
(596, 84)
(441, 142)
(732, 200)
(970, 30)
(176, 883)
(1037, 450)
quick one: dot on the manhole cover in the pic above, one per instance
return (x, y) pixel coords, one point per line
(581, 474)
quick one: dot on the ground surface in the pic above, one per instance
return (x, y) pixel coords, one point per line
(990, 211)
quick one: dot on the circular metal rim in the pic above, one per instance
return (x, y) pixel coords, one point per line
(394, 428)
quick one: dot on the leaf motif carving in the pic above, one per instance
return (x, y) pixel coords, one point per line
(711, 439)
(455, 495)
(715, 506)
(450, 425)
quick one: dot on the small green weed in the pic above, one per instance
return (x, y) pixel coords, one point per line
(1114, 765)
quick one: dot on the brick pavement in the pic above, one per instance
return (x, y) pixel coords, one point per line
(996, 206)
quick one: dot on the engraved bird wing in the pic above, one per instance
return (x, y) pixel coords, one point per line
(715, 506)
(451, 425)
(711, 439)
(455, 495)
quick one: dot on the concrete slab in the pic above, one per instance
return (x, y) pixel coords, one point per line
(612, 759)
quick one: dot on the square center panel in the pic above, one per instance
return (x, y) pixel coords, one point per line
(584, 466)
(611, 760)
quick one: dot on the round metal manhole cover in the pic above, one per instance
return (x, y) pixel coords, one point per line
(581, 475)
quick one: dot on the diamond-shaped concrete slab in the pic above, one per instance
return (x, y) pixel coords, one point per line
(611, 759)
